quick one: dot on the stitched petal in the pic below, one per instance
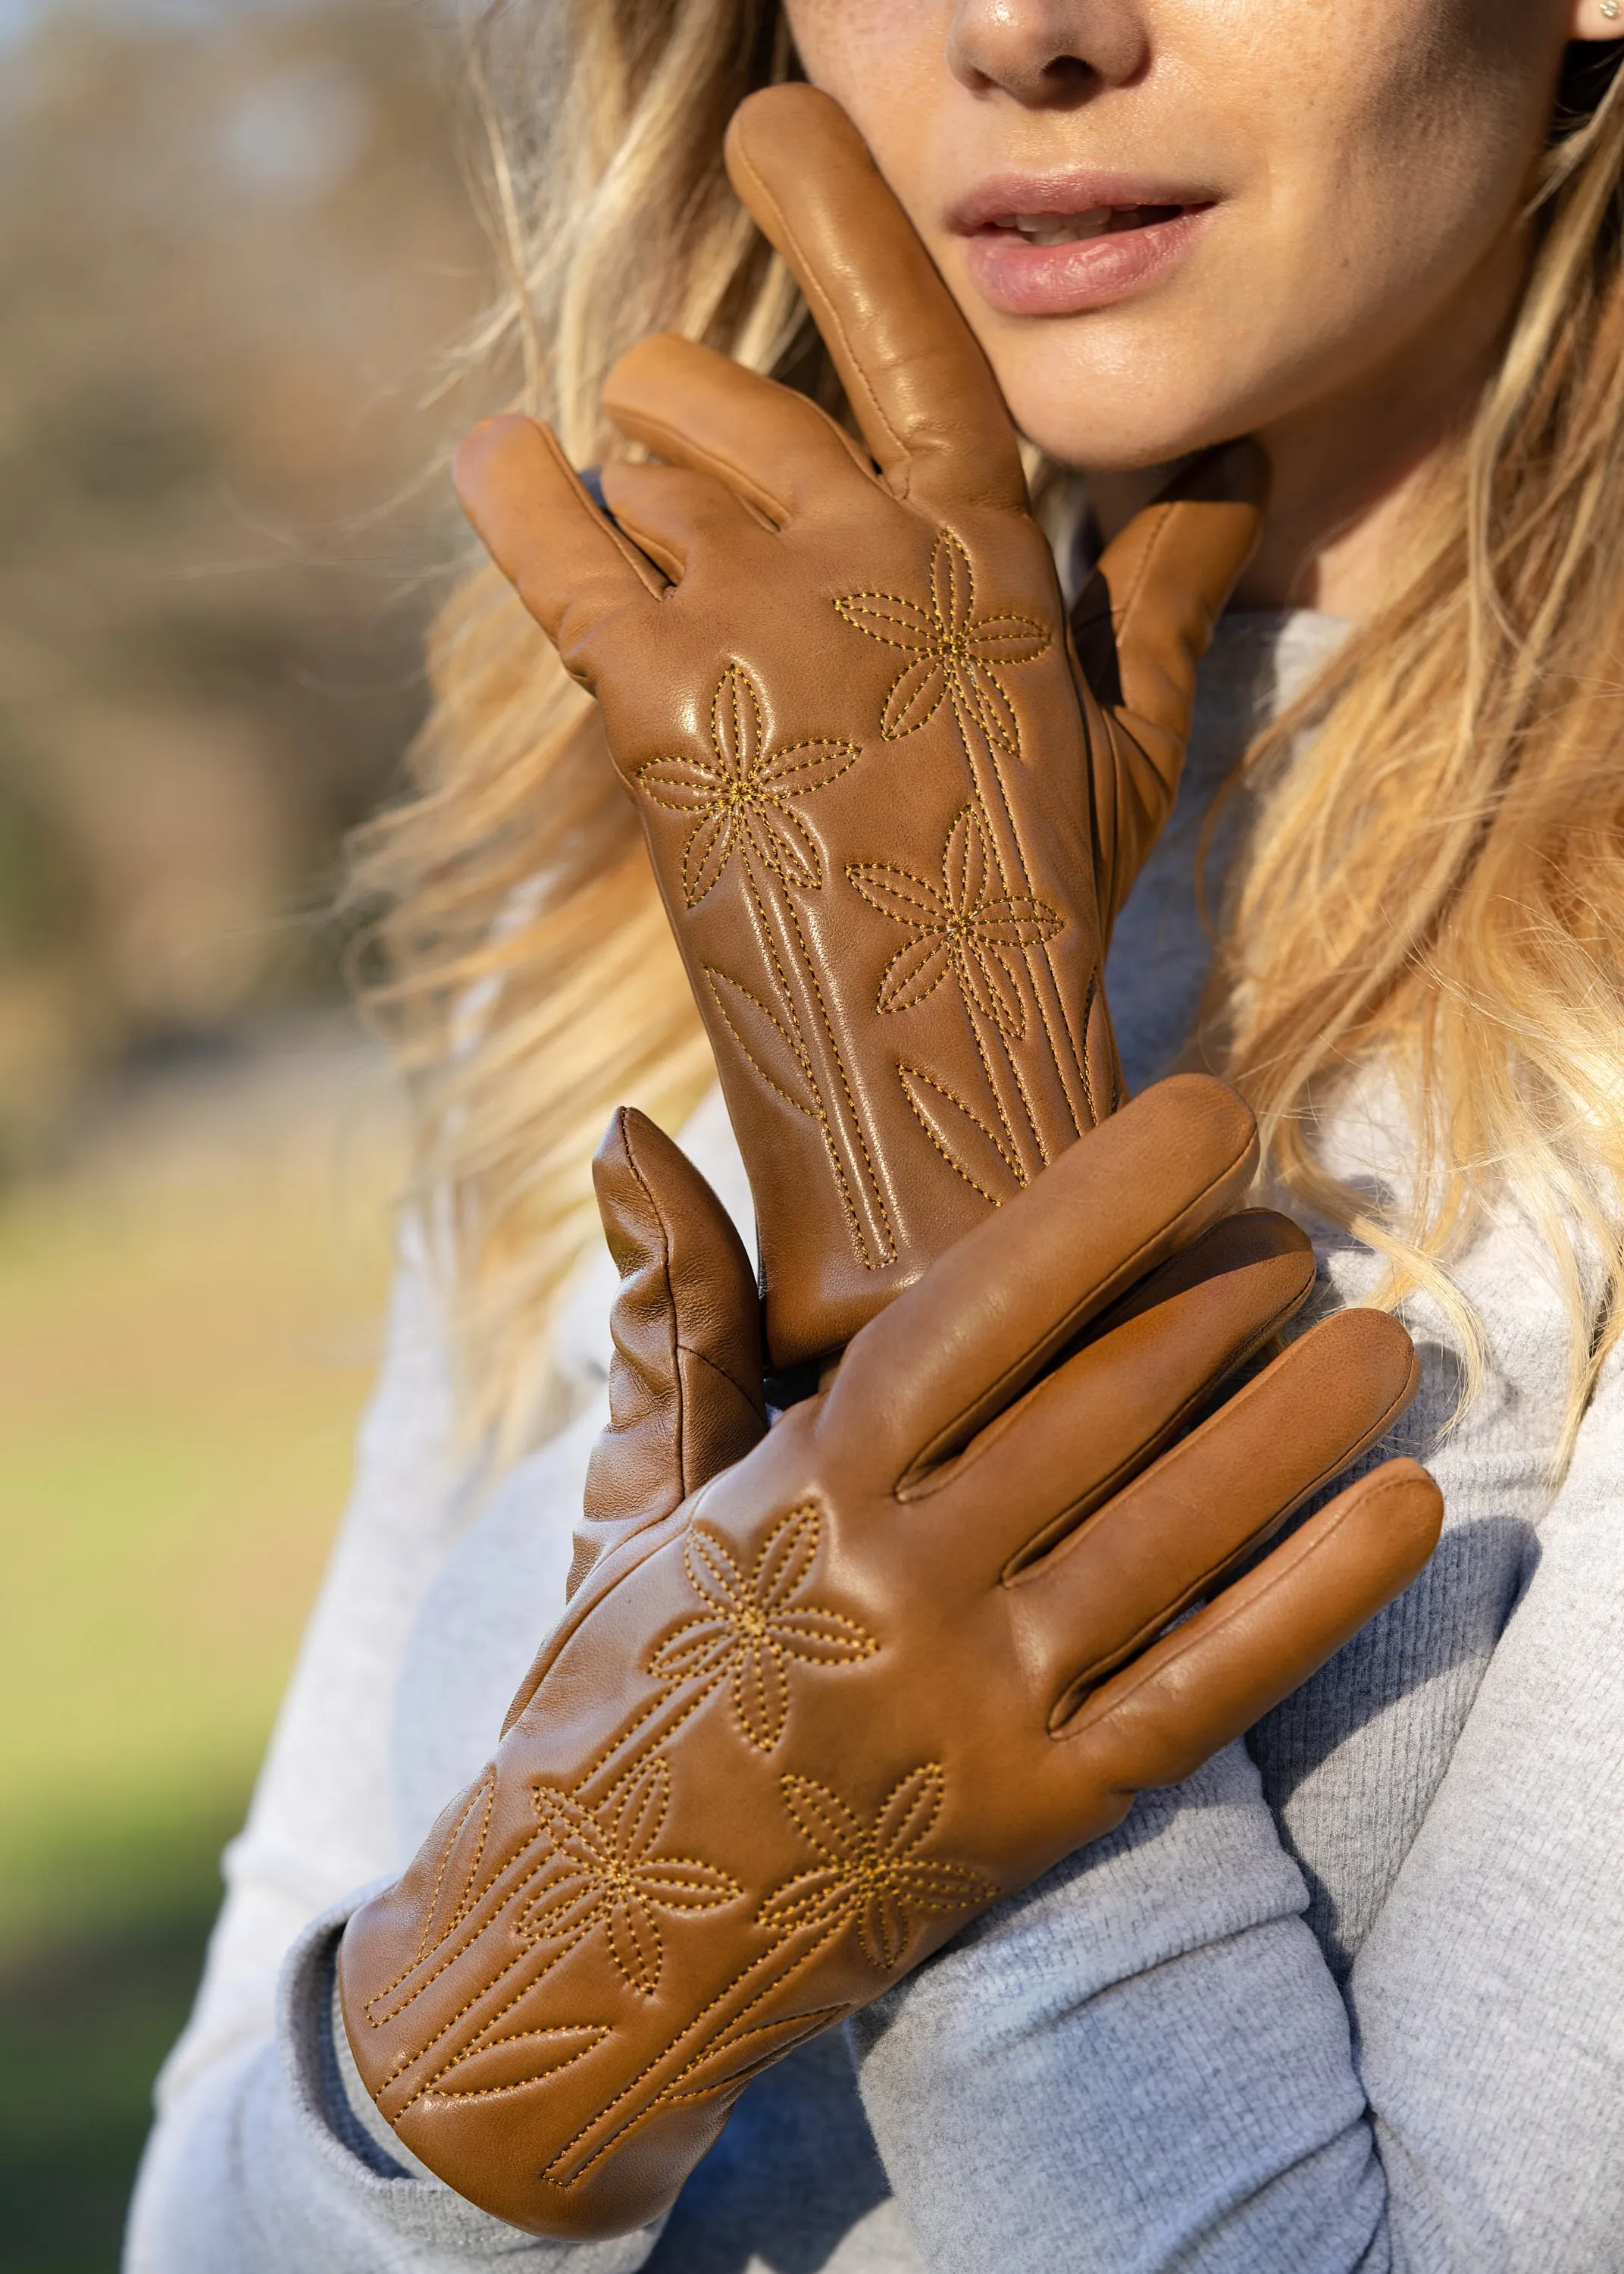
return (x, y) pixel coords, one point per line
(1007, 639)
(913, 972)
(1016, 923)
(557, 1906)
(941, 1887)
(953, 582)
(807, 766)
(915, 696)
(883, 1928)
(806, 1900)
(964, 863)
(760, 1694)
(785, 1557)
(899, 623)
(906, 899)
(914, 1806)
(708, 849)
(632, 1816)
(562, 1816)
(673, 1884)
(682, 783)
(736, 721)
(635, 1943)
(823, 1637)
(702, 1646)
(826, 1825)
(590, 1857)
(713, 1572)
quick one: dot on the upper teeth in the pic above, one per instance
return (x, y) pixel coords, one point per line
(1065, 229)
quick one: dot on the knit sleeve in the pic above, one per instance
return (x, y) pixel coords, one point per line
(1141, 2064)
(1490, 2015)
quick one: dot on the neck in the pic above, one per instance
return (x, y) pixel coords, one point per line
(1347, 468)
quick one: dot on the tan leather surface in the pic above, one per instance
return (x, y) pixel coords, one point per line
(889, 822)
(685, 1382)
(1140, 626)
(791, 1736)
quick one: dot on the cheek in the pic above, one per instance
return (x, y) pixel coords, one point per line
(885, 62)
(1395, 128)
(861, 51)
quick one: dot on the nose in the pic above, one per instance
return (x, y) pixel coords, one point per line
(1047, 54)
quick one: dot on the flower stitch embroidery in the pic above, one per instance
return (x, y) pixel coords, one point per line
(969, 928)
(956, 653)
(744, 795)
(871, 1875)
(751, 1628)
(605, 1873)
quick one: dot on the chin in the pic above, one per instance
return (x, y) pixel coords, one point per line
(1112, 422)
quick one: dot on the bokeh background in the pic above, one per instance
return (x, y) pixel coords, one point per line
(236, 242)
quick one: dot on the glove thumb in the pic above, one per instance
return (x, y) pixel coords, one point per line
(686, 1397)
(1141, 625)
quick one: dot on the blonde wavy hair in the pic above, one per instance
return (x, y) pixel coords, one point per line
(1435, 876)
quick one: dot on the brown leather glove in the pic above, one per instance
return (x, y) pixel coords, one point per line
(890, 822)
(893, 1664)
(685, 1382)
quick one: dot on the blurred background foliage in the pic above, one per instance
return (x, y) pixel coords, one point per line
(235, 242)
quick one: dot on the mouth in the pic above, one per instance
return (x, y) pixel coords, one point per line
(1047, 229)
(1063, 243)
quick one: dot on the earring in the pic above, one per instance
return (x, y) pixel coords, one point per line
(1610, 10)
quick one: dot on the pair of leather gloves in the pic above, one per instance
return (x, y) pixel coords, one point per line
(826, 1690)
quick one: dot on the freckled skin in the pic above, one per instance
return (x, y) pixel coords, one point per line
(1351, 290)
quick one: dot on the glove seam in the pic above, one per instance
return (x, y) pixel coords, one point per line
(828, 315)
(991, 1394)
(1101, 1670)
(674, 1344)
(735, 477)
(702, 1357)
(1221, 1618)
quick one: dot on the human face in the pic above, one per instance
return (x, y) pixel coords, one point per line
(1172, 221)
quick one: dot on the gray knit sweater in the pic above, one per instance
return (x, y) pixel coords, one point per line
(1349, 2000)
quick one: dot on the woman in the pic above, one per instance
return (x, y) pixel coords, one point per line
(1352, 2005)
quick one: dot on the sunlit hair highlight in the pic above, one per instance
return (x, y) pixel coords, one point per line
(521, 965)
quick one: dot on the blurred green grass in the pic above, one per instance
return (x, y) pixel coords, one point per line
(188, 1323)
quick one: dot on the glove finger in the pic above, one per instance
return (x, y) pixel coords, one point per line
(685, 1398)
(1178, 1530)
(539, 525)
(699, 409)
(920, 387)
(1141, 625)
(1214, 1676)
(667, 511)
(967, 1337)
(1147, 1368)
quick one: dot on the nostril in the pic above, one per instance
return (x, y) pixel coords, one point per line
(1069, 75)
(1026, 53)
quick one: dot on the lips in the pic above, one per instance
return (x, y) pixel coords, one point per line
(1062, 243)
